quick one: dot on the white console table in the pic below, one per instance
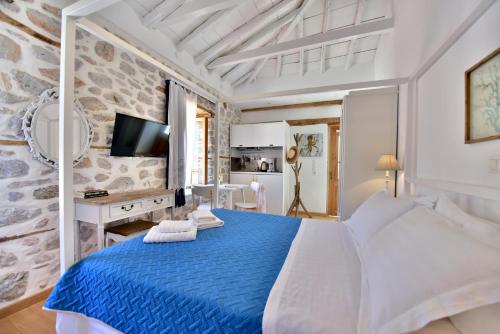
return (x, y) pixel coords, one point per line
(103, 210)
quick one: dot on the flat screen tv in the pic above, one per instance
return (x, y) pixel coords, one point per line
(137, 137)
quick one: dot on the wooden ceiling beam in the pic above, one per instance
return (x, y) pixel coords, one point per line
(242, 79)
(243, 32)
(301, 51)
(337, 35)
(160, 12)
(357, 20)
(297, 106)
(289, 29)
(181, 45)
(261, 38)
(199, 8)
(324, 28)
(314, 121)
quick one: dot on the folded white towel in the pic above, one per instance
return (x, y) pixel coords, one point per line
(215, 223)
(175, 226)
(154, 236)
(203, 216)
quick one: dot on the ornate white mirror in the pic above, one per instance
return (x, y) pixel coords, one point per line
(41, 129)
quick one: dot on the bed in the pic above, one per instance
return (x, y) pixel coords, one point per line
(259, 273)
(216, 284)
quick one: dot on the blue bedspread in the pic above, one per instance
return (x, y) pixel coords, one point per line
(216, 284)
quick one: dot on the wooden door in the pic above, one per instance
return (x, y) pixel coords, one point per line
(333, 169)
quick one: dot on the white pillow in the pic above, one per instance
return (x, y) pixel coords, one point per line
(428, 201)
(376, 212)
(476, 227)
(483, 320)
(420, 268)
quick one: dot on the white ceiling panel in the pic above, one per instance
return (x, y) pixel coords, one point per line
(366, 43)
(337, 4)
(312, 55)
(375, 9)
(291, 58)
(312, 25)
(364, 57)
(315, 9)
(341, 13)
(290, 69)
(336, 61)
(312, 67)
(246, 11)
(341, 17)
(335, 50)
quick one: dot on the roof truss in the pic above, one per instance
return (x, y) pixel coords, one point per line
(199, 8)
(245, 31)
(337, 35)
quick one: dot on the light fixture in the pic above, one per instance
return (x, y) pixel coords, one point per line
(387, 162)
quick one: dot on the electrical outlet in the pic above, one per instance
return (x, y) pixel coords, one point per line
(494, 165)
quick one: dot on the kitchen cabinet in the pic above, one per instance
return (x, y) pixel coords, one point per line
(273, 184)
(269, 134)
(241, 135)
(258, 135)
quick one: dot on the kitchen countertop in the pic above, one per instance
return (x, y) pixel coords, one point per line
(262, 173)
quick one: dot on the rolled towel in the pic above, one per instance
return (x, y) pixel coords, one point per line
(175, 226)
(155, 236)
(203, 216)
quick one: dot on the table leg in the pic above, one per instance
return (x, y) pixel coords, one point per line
(172, 212)
(229, 200)
(78, 251)
(100, 236)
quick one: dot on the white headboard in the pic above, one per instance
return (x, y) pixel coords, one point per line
(480, 201)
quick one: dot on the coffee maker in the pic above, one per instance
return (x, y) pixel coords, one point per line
(268, 165)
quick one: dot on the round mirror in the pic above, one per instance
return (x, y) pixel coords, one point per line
(41, 129)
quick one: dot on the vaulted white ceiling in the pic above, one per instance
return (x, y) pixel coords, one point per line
(249, 42)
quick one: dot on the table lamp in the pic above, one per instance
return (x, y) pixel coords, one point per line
(387, 162)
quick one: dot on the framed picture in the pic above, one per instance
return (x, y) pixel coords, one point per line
(311, 145)
(482, 100)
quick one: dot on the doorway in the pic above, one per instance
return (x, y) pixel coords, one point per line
(333, 168)
(319, 174)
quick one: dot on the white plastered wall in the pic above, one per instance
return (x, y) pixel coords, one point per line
(441, 151)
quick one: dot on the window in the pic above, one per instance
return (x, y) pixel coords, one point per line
(199, 168)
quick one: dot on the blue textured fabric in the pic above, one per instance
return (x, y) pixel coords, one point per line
(218, 283)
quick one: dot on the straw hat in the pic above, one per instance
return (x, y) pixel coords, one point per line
(292, 155)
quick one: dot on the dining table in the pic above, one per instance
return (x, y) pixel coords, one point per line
(229, 189)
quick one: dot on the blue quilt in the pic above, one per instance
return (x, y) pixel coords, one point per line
(218, 283)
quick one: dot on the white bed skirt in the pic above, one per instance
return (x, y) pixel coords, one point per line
(75, 323)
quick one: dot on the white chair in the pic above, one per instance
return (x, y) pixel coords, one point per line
(203, 192)
(250, 206)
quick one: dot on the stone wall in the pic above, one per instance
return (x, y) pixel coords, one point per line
(108, 80)
(227, 115)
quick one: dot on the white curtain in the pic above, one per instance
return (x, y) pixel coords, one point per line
(191, 107)
(181, 119)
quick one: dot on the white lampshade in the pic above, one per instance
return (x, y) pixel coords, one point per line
(388, 162)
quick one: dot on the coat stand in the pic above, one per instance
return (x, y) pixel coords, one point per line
(297, 201)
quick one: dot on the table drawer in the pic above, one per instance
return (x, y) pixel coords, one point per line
(160, 201)
(124, 209)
